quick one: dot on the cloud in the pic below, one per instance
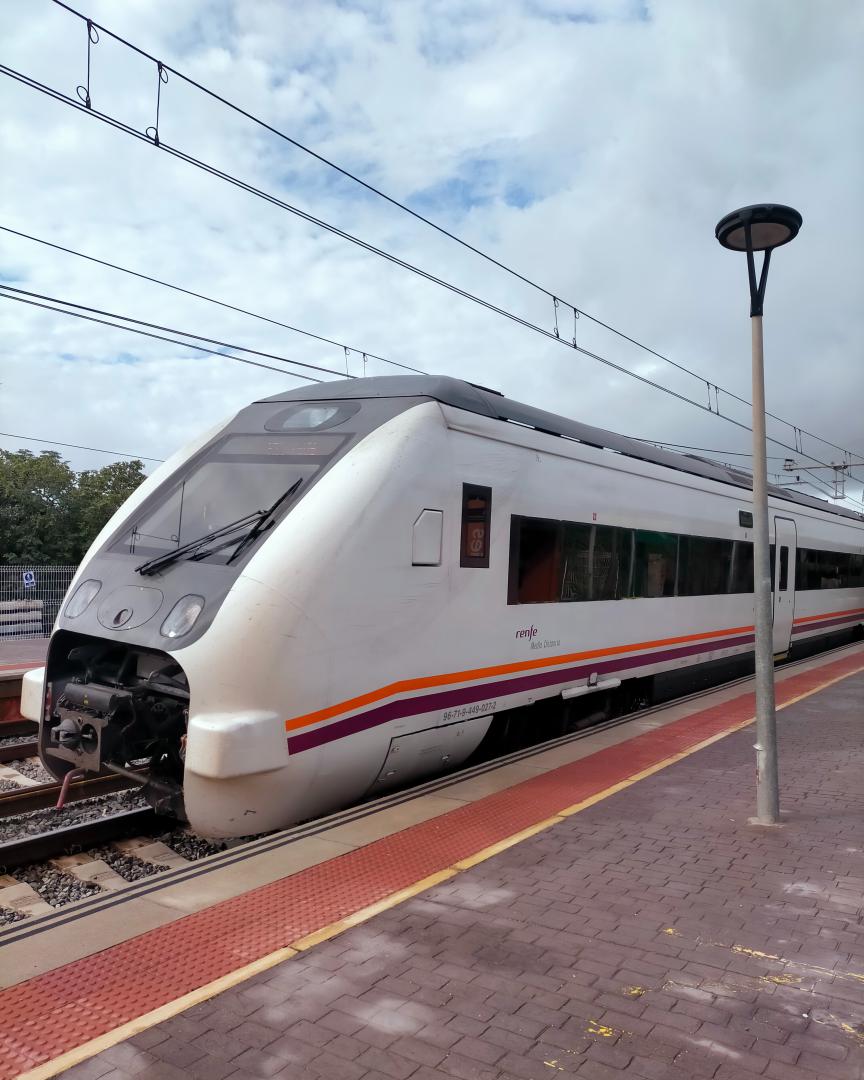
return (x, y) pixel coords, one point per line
(591, 146)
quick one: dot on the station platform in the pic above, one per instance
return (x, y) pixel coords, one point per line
(17, 656)
(21, 654)
(602, 909)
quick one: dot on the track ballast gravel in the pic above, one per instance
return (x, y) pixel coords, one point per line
(54, 886)
(189, 845)
(33, 768)
(41, 821)
(128, 867)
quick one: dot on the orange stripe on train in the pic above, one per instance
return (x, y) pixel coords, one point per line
(430, 681)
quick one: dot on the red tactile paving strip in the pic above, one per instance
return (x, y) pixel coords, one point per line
(62, 1009)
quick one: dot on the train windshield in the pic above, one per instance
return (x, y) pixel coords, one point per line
(239, 475)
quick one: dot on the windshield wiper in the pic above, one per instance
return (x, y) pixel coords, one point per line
(260, 521)
(264, 522)
(152, 565)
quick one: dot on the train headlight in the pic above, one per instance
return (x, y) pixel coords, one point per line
(82, 598)
(182, 617)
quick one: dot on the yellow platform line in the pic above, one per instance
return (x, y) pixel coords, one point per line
(317, 937)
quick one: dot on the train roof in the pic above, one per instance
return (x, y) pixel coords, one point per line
(491, 403)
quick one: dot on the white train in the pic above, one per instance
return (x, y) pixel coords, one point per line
(341, 589)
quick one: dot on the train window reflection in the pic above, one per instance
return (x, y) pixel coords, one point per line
(596, 562)
(238, 475)
(656, 564)
(569, 561)
(705, 566)
(741, 574)
(576, 562)
(829, 569)
(216, 493)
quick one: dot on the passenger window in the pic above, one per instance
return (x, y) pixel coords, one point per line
(576, 562)
(610, 563)
(535, 562)
(655, 564)
(784, 568)
(476, 525)
(742, 567)
(704, 566)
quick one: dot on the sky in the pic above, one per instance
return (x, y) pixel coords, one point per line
(591, 146)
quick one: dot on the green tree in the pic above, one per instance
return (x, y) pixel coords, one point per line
(36, 521)
(99, 493)
(49, 514)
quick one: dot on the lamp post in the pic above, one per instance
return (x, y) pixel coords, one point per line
(761, 228)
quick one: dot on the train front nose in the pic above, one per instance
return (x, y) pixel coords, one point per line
(237, 778)
(111, 707)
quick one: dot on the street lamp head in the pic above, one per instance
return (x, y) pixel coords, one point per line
(769, 224)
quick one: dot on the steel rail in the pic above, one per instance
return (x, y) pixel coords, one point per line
(16, 750)
(44, 796)
(74, 838)
(13, 728)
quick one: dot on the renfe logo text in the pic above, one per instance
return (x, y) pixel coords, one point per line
(529, 632)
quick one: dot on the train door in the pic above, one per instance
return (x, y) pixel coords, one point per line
(785, 540)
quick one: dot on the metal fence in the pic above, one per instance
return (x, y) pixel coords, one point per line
(30, 597)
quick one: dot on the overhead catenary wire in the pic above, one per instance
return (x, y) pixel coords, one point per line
(404, 264)
(77, 446)
(210, 299)
(157, 337)
(163, 68)
(703, 449)
(58, 95)
(847, 466)
(55, 306)
(814, 482)
(817, 480)
(391, 258)
(90, 314)
(172, 330)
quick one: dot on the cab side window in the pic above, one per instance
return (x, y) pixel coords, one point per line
(476, 525)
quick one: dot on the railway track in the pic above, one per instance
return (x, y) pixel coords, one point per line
(44, 796)
(48, 845)
(16, 728)
(75, 838)
(14, 751)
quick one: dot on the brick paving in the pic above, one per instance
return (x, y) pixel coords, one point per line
(656, 934)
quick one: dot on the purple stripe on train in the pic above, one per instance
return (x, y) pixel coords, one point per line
(464, 695)
(803, 628)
